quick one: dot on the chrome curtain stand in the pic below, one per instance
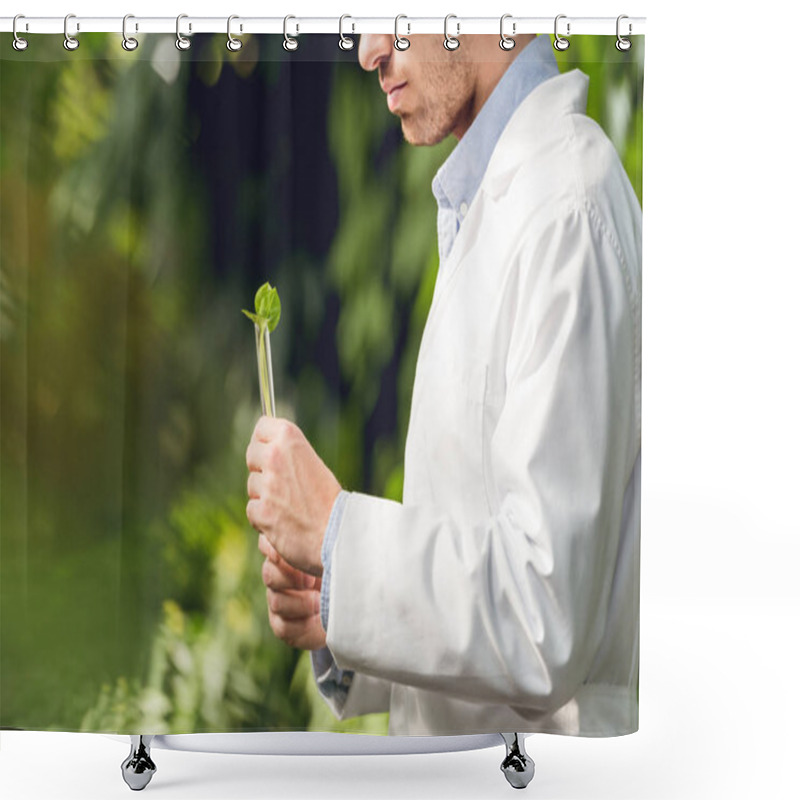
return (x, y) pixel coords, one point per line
(290, 25)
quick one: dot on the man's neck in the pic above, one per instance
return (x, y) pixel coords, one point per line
(491, 63)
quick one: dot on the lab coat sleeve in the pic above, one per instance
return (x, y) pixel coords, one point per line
(511, 608)
(370, 695)
(348, 694)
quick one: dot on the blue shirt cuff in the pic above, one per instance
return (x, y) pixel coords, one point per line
(331, 532)
(332, 682)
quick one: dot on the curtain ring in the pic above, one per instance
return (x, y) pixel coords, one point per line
(623, 44)
(288, 42)
(506, 42)
(400, 42)
(560, 43)
(128, 42)
(19, 43)
(181, 42)
(451, 42)
(345, 42)
(70, 42)
(233, 44)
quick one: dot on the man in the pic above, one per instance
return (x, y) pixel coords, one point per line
(502, 594)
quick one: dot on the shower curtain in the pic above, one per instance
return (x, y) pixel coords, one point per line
(480, 568)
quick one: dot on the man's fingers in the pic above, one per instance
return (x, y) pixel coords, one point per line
(292, 605)
(280, 576)
(253, 491)
(298, 633)
(254, 455)
(266, 548)
(277, 579)
(303, 579)
(270, 428)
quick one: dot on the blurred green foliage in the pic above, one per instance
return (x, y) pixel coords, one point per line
(145, 196)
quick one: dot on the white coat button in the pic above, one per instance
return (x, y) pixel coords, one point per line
(462, 209)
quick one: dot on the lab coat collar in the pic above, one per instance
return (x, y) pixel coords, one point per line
(556, 97)
(458, 179)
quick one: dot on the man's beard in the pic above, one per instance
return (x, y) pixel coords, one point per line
(445, 99)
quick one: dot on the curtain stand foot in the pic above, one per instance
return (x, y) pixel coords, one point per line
(517, 766)
(138, 768)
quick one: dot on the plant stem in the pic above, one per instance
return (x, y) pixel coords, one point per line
(264, 357)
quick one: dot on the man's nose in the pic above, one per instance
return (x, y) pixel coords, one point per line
(374, 48)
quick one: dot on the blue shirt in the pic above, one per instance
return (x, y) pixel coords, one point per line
(454, 187)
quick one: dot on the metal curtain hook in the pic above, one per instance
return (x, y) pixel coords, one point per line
(70, 42)
(345, 42)
(560, 43)
(288, 42)
(19, 43)
(622, 43)
(128, 42)
(506, 42)
(451, 42)
(233, 44)
(181, 42)
(400, 42)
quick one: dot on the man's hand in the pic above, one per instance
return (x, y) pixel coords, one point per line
(293, 601)
(291, 492)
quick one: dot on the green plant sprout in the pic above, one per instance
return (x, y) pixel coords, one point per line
(266, 318)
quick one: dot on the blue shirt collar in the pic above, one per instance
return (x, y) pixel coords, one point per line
(457, 181)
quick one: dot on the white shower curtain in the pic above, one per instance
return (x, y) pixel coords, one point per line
(465, 361)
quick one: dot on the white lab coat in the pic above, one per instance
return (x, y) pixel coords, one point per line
(503, 593)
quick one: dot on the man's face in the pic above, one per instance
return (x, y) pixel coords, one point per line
(431, 89)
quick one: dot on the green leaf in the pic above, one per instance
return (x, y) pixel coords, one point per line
(268, 307)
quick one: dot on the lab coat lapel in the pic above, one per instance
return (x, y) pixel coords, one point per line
(563, 94)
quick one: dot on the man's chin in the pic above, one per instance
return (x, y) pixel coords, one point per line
(413, 135)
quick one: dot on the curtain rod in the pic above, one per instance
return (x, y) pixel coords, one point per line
(567, 26)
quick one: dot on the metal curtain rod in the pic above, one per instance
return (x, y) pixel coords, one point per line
(573, 26)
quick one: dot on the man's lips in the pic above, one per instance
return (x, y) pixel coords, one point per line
(393, 94)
